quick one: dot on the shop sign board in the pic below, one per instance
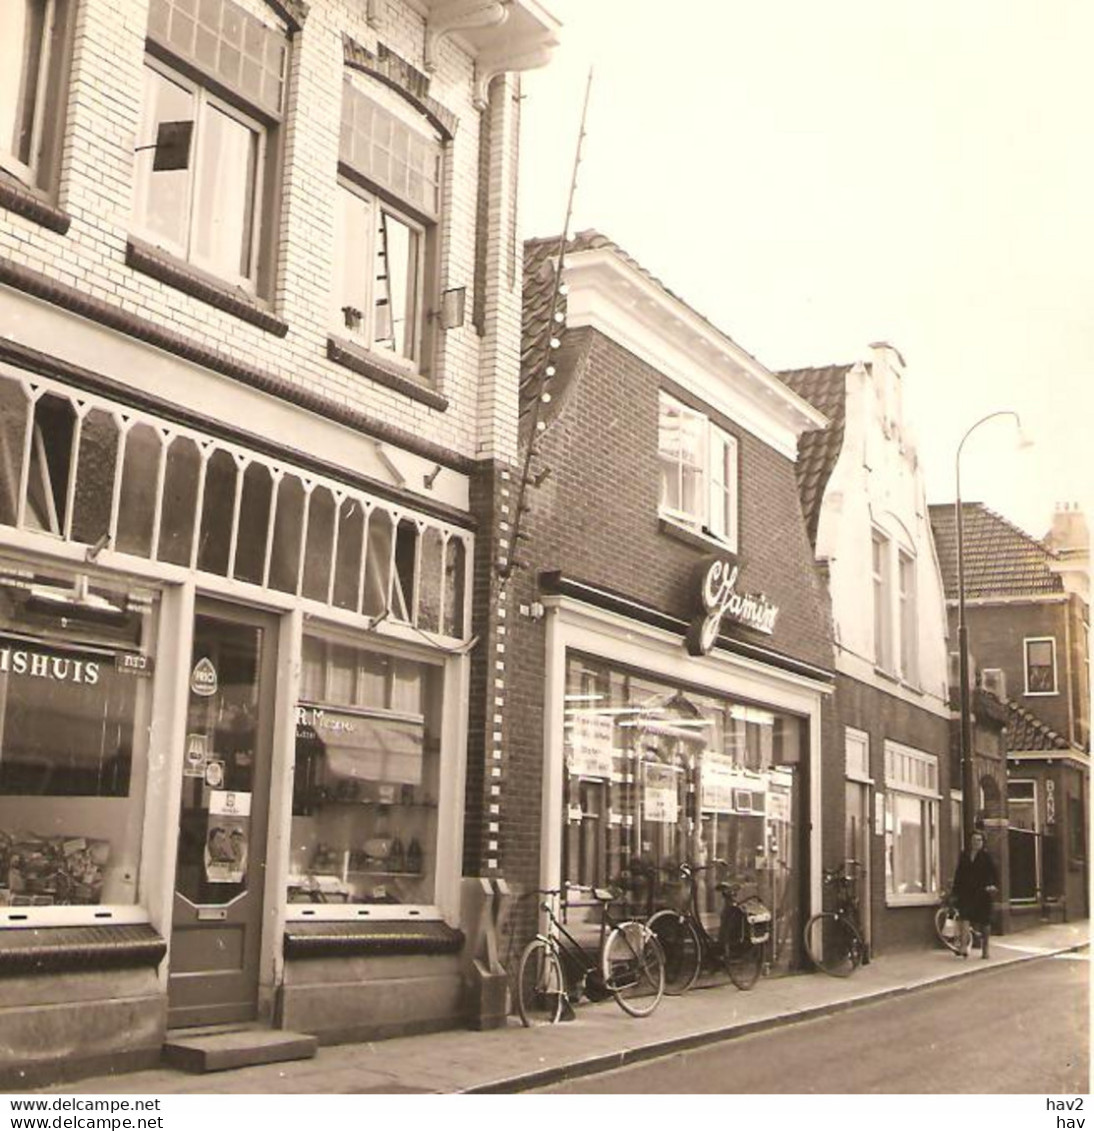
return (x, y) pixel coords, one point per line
(659, 799)
(47, 661)
(718, 599)
(203, 679)
(724, 788)
(134, 663)
(591, 745)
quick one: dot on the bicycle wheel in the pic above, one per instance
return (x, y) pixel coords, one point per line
(954, 942)
(634, 968)
(833, 944)
(743, 958)
(681, 947)
(540, 989)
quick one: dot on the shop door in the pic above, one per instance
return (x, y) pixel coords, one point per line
(857, 846)
(220, 873)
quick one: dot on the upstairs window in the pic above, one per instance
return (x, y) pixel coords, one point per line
(883, 631)
(205, 161)
(386, 228)
(30, 49)
(1040, 665)
(698, 472)
(909, 619)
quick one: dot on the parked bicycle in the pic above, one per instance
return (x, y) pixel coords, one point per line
(947, 926)
(556, 970)
(744, 927)
(833, 940)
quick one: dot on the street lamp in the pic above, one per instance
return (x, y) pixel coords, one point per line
(968, 775)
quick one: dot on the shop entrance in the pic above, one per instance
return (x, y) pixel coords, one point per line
(220, 873)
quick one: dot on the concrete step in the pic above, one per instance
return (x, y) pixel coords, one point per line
(216, 1052)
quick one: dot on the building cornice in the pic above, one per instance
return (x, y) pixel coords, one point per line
(1018, 599)
(1072, 757)
(615, 298)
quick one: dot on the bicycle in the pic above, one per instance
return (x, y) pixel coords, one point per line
(744, 928)
(832, 938)
(628, 967)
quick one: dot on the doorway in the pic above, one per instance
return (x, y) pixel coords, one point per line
(221, 871)
(857, 847)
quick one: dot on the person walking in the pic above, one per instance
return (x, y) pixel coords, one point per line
(974, 884)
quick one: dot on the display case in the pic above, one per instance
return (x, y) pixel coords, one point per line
(367, 777)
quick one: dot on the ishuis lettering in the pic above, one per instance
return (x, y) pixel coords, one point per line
(41, 665)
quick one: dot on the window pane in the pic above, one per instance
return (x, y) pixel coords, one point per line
(73, 745)
(429, 586)
(224, 222)
(693, 433)
(217, 511)
(366, 784)
(13, 427)
(181, 475)
(378, 563)
(99, 437)
(317, 557)
(454, 566)
(254, 523)
(22, 37)
(353, 233)
(162, 198)
(347, 576)
(285, 555)
(50, 460)
(396, 289)
(406, 552)
(668, 445)
(137, 501)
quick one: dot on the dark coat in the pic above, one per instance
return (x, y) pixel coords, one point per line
(970, 881)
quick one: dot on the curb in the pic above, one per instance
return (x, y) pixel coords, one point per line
(605, 1062)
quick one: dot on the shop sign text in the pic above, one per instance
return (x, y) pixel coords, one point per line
(720, 600)
(203, 679)
(43, 665)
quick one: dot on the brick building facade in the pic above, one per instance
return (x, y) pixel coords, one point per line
(259, 355)
(629, 751)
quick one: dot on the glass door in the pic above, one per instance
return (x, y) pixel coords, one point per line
(220, 871)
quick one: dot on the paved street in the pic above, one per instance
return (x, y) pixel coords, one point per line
(1019, 1029)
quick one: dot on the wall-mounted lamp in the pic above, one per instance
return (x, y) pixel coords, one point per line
(453, 307)
(431, 476)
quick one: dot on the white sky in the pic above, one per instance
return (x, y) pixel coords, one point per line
(814, 176)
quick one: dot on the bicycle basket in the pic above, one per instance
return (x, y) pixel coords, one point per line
(759, 919)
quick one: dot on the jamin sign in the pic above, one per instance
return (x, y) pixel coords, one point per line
(719, 600)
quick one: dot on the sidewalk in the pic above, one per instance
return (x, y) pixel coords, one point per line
(602, 1037)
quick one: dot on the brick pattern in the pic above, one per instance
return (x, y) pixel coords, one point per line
(96, 192)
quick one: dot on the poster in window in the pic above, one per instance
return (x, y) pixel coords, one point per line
(716, 783)
(226, 842)
(591, 745)
(41, 871)
(659, 799)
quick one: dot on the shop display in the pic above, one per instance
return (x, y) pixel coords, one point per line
(41, 871)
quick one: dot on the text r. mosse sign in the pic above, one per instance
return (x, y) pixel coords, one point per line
(718, 600)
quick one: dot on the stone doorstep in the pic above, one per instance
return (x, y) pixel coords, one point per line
(218, 1052)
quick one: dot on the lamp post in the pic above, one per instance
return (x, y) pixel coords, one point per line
(968, 774)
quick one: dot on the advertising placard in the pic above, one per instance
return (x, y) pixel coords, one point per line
(591, 745)
(659, 800)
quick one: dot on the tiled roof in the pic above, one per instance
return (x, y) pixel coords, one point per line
(1025, 731)
(538, 292)
(825, 388)
(1000, 559)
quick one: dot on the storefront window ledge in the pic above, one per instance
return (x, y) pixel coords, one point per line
(698, 540)
(331, 939)
(50, 950)
(354, 357)
(887, 675)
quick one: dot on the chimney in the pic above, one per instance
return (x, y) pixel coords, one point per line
(887, 366)
(1069, 529)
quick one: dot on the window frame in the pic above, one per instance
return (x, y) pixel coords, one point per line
(713, 435)
(380, 203)
(204, 99)
(900, 775)
(1026, 642)
(882, 593)
(908, 600)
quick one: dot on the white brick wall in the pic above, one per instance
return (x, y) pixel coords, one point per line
(479, 377)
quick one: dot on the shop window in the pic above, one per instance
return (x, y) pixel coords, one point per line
(387, 211)
(657, 775)
(347, 570)
(32, 34)
(378, 564)
(254, 524)
(96, 466)
(1076, 825)
(911, 825)
(1022, 805)
(287, 535)
(1040, 652)
(50, 463)
(13, 430)
(75, 708)
(430, 580)
(698, 472)
(455, 555)
(367, 777)
(406, 562)
(206, 162)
